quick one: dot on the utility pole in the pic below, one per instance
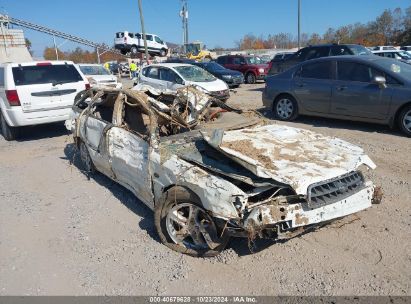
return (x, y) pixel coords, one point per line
(55, 47)
(184, 18)
(140, 7)
(299, 24)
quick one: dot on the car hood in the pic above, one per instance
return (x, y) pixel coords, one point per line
(212, 86)
(288, 155)
(227, 72)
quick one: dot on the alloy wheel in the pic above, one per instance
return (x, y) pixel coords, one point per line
(406, 121)
(190, 226)
(285, 108)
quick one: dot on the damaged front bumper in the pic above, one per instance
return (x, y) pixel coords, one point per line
(272, 220)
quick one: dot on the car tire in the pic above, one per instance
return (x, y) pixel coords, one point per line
(177, 216)
(86, 160)
(285, 108)
(133, 50)
(163, 52)
(404, 120)
(123, 52)
(250, 78)
(9, 133)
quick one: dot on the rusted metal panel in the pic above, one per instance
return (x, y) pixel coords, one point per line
(293, 156)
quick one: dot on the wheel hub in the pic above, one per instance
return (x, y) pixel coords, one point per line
(190, 226)
(406, 121)
(285, 108)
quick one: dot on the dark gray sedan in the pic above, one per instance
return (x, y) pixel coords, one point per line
(360, 88)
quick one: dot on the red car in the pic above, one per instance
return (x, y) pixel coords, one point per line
(250, 66)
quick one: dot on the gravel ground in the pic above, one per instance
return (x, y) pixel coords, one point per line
(62, 234)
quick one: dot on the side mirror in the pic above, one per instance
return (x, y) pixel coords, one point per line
(179, 81)
(380, 81)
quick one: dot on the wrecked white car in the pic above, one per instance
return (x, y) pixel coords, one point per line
(211, 172)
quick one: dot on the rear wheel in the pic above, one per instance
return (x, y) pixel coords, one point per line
(185, 226)
(163, 53)
(9, 133)
(285, 108)
(405, 120)
(250, 78)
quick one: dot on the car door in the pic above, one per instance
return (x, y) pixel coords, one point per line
(312, 86)
(129, 153)
(354, 93)
(92, 132)
(171, 79)
(239, 64)
(228, 62)
(151, 76)
(150, 43)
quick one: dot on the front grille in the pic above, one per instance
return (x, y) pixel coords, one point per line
(334, 190)
(238, 79)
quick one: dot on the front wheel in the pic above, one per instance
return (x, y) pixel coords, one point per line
(285, 108)
(250, 78)
(405, 120)
(9, 133)
(185, 226)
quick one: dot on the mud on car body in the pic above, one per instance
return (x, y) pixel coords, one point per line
(210, 172)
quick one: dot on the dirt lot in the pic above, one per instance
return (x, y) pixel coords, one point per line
(62, 234)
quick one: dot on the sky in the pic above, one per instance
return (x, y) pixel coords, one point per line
(215, 22)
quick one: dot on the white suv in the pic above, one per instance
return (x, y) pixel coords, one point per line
(34, 93)
(133, 43)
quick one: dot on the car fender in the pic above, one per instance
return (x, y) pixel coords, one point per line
(251, 71)
(3, 110)
(217, 195)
